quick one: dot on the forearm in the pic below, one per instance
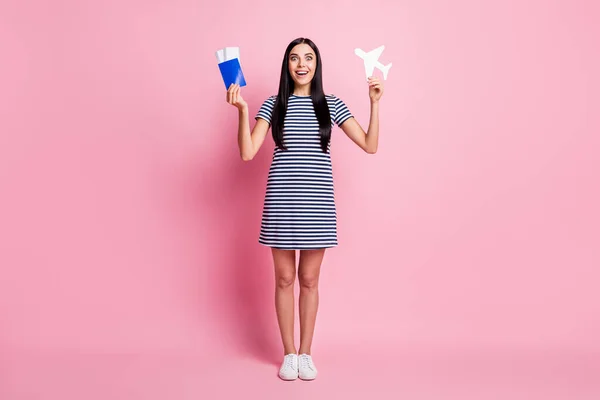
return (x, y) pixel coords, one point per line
(244, 137)
(372, 139)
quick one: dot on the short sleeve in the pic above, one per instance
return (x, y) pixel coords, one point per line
(266, 110)
(342, 113)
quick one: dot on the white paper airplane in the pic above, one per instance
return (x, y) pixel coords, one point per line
(371, 61)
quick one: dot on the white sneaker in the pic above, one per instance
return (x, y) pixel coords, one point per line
(307, 370)
(289, 367)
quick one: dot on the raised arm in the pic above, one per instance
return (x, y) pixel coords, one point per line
(248, 142)
(368, 141)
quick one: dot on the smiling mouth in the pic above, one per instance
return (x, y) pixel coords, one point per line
(301, 73)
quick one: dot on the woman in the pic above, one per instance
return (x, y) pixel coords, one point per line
(299, 211)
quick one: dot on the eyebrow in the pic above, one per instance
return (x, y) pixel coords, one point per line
(307, 54)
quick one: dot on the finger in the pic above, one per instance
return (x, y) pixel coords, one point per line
(233, 91)
(230, 94)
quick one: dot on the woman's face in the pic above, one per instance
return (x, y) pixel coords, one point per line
(302, 63)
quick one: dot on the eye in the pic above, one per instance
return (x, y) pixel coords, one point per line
(309, 58)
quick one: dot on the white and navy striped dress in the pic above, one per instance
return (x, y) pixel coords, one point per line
(299, 209)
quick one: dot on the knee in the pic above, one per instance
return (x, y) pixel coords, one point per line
(285, 281)
(309, 281)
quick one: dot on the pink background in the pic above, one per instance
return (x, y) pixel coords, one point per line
(469, 244)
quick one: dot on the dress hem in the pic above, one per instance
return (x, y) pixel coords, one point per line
(316, 247)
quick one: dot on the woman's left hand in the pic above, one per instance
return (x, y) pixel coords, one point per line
(375, 89)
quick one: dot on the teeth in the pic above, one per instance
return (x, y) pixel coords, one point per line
(302, 73)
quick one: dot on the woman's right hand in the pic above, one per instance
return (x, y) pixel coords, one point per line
(234, 97)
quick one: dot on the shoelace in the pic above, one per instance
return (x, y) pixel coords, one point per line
(289, 361)
(306, 361)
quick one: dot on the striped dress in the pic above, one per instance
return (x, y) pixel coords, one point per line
(299, 208)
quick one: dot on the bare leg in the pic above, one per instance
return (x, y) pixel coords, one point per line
(308, 273)
(285, 275)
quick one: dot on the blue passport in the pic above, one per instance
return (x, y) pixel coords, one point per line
(231, 71)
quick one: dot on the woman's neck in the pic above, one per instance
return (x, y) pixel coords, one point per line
(302, 91)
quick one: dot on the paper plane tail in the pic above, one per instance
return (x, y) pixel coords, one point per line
(385, 70)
